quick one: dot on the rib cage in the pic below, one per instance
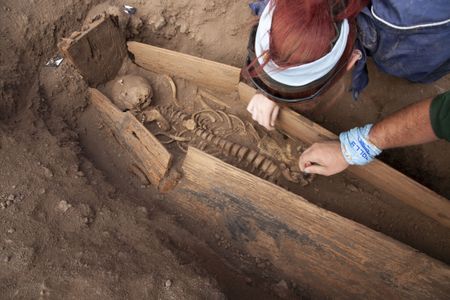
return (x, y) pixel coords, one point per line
(172, 114)
(242, 155)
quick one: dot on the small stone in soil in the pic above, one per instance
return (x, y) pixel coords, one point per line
(352, 188)
(47, 172)
(41, 191)
(282, 284)
(160, 23)
(282, 289)
(63, 206)
(143, 209)
(168, 283)
(11, 197)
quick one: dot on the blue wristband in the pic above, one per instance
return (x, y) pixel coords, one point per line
(356, 147)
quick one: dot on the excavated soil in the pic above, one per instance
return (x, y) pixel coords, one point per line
(76, 223)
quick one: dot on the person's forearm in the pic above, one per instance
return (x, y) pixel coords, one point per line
(408, 126)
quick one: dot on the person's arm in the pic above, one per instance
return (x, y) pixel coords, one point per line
(418, 123)
(406, 127)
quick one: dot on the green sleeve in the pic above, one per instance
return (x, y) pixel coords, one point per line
(440, 116)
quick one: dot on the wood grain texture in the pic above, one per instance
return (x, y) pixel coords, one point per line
(201, 71)
(98, 52)
(317, 249)
(376, 173)
(147, 151)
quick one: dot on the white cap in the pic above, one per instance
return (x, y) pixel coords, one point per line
(297, 75)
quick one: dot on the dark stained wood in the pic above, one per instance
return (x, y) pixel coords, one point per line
(317, 249)
(151, 157)
(201, 71)
(376, 173)
(98, 52)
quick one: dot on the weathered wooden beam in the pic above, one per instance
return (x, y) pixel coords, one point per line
(317, 249)
(97, 52)
(225, 77)
(201, 71)
(152, 158)
(376, 173)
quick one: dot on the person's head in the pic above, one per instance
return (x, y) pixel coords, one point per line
(301, 47)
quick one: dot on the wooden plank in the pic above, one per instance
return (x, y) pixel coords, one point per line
(376, 173)
(147, 151)
(201, 71)
(97, 52)
(315, 248)
(222, 76)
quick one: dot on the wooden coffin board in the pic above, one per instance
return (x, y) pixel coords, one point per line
(224, 77)
(204, 72)
(98, 52)
(376, 173)
(317, 249)
(148, 153)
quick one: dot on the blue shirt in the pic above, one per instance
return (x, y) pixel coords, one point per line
(408, 39)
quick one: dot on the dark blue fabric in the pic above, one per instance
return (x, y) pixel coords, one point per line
(420, 54)
(258, 6)
(412, 12)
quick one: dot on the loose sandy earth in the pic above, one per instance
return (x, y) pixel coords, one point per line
(73, 226)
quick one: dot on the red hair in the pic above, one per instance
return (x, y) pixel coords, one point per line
(304, 30)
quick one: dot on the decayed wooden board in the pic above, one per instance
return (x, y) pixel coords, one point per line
(204, 72)
(98, 52)
(316, 248)
(225, 77)
(148, 152)
(376, 173)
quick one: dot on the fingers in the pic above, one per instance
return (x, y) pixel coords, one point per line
(308, 162)
(251, 106)
(308, 158)
(263, 110)
(323, 158)
(303, 165)
(303, 162)
(316, 169)
(265, 119)
(274, 115)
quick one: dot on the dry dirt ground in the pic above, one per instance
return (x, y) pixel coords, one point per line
(73, 226)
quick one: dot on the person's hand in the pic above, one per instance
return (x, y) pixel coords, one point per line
(323, 158)
(263, 110)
